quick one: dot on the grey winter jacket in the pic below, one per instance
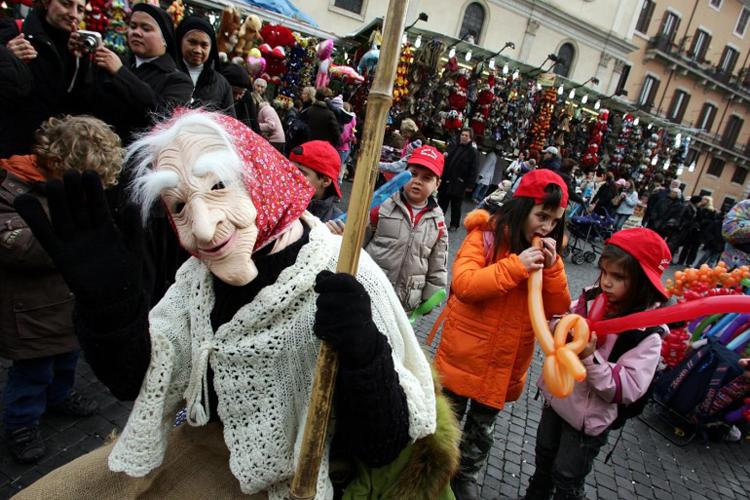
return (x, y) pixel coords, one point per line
(414, 256)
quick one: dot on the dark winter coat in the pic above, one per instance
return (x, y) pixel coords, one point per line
(247, 112)
(52, 71)
(603, 199)
(711, 236)
(36, 306)
(130, 99)
(322, 123)
(460, 170)
(667, 214)
(212, 90)
(551, 164)
(325, 209)
(16, 81)
(653, 200)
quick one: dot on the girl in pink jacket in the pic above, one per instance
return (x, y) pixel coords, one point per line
(619, 368)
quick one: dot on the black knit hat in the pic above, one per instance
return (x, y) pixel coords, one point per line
(164, 21)
(236, 75)
(191, 23)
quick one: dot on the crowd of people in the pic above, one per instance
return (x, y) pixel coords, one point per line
(158, 214)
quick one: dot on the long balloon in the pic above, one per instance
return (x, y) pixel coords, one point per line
(672, 314)
(385, 191)
(740, 324)
(703, 325)
(721, 325)
(562, 367)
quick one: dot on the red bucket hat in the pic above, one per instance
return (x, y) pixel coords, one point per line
(533, 183)
(321, 157)
(649, 249)
(428, 157)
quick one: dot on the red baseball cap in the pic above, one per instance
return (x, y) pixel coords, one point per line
(321, 157)
(649, 249)
(533, 183)
(428, 157)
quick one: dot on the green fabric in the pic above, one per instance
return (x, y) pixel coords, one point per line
(378, 483)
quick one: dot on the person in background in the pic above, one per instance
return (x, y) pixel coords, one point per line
(43, 48)
(460, 170)
(551, 159)
(196, 39)
(320, 164)
(129, 93)
(322, 123)
(601, 204)
(410, 242)
(666, 217)
(514, 169)
(348, 138)
(307, 96)
(244, 105)
(689, 236)
(497, 198)
(484, 179)
(628, 200)
(736, 232)
(487, 342)
(259, 91)
(711, 237)
(36, 306)
(270, 126)
(407, 130)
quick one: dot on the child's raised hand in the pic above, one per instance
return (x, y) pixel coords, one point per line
(549, 250)
(590, 347)
(532, 259)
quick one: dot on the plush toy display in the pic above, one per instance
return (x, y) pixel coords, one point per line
(96, 18)
(248, 36)
(324, 51)
(226, 37)
(176, 11)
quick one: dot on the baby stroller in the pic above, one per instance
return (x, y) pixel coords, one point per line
(587, 235)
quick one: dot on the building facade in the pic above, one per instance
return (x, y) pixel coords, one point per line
(691, 69)
(592, 38)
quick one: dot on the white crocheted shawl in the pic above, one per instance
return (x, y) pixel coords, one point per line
(263, 362)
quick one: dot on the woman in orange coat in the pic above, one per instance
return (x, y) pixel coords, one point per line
(487, 340)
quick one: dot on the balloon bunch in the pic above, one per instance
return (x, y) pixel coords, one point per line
(674, 346)
(543, 118)
(692, 284)
(401, 87)
(596, 135)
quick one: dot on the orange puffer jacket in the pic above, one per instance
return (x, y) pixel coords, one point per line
(487, 340)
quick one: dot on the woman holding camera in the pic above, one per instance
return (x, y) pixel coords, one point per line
(127, 92)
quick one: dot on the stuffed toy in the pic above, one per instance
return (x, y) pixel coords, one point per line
(96, 17)
(324, 52)
(249, 34)
(276, 35)
(256, 63)
(226, 37)
(177, 11)
(345, 73)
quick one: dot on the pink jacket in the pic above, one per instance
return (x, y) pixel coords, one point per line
(270, 124)
(347, 135)
(592, 407)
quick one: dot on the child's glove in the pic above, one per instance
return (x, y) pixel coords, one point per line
(344, 318)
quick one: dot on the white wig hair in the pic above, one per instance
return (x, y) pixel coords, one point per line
(147, 184)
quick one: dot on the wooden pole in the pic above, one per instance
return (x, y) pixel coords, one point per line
(378, 104)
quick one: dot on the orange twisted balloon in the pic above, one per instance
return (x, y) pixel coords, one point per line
(562, 368)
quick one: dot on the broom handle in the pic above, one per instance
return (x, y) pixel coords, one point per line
(378, 104)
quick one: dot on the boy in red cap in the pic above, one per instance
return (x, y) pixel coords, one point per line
(410, 243)
(320, 164)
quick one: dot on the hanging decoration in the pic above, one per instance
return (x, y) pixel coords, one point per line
(598, 128)
(401, 86)
(116, 35)
(541, 123)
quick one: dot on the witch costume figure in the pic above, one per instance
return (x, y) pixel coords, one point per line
(234, 341)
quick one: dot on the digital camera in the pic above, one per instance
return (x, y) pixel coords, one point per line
(90, 40)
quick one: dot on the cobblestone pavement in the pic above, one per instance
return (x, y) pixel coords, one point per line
(644, 464)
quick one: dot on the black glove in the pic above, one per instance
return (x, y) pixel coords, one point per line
(344, 319)
(100, 263)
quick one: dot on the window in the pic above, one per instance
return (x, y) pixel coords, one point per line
(728, 60)
(473, 21)
(706, 119)
(739, 176)
(705, 192)
(623, 79)
(716, 167)
(732, 131)
(565, 59)
(354, 6)
(716, 4)
(727, 205)
(644, 19)
(691, 156)
(701, 41)
(680, 100)
(648, 92)
(741, 26)
(669, 26)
